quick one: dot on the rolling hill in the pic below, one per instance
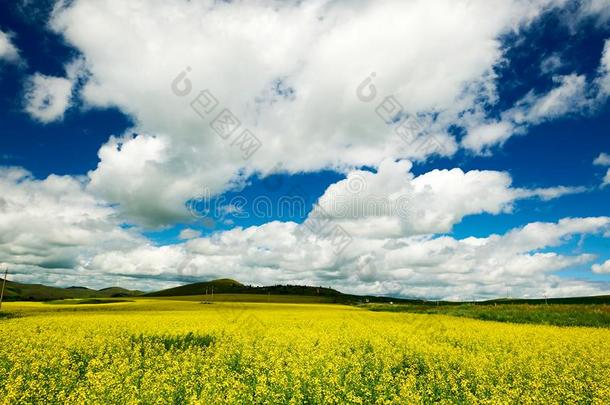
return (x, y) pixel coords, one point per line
(234, 290)
(38, 292)
(229, 286)
(220, 286)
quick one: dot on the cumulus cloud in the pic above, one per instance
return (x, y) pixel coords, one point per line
(317, 94)
(293, 73)
(603, 159)
(53, 224)
(189, 233)
(403, 204)
(55, 231)
(47, 97)
(8, 51)
(601, 268)
(481, 137)
(442, 267)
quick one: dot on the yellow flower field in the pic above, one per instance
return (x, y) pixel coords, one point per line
(162, 351)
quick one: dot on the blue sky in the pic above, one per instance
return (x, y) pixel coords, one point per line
(111, 164)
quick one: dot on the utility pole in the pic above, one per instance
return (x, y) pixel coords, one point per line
(3, 285)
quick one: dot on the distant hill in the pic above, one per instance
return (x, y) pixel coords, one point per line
(599, 299)
(228, 286)
(220, 286)
(38, 292)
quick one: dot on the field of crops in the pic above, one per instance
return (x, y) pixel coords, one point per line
(163, 351)
(596, 315)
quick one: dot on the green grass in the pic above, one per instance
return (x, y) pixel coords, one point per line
(596, 315)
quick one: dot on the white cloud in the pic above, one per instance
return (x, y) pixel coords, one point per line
(143, 260)
(53, 224)
(568, 96)
(572, 95)
(601, 268)
(479, 138)
(8, 51)
(54, 231)
(433, 202)
(47, 97)
(189, 233)
(289, 72)
(604, 70)
(602, 160)
(599, 10)
(550, 193)
(551, 63)
(606, 179)
(429, 266)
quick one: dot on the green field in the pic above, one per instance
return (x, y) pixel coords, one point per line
(595, 315)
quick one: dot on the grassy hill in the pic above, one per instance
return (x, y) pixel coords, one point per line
(228, 286)
(115, 292)
(38, 292)
(220, 286)
(223, 289)
(226, 289)
(233, 288)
